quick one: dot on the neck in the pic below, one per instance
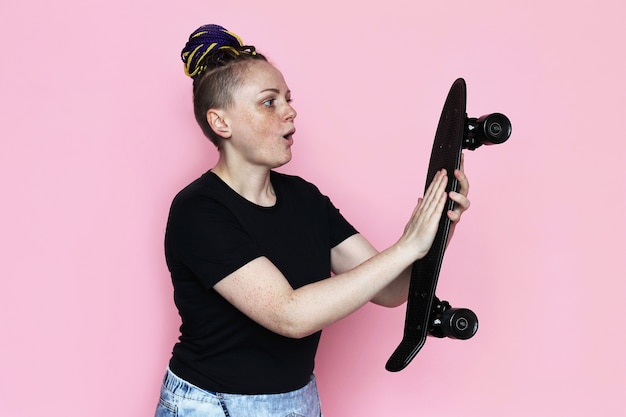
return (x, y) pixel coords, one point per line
(252, 183)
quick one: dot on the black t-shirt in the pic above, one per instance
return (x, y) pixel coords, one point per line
(212, 231)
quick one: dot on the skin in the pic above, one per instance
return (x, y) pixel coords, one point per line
(257, 136)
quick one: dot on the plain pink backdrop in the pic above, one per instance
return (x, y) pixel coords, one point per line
(98, 135)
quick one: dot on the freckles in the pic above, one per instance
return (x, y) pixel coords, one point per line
(260, 127)
(255, 121)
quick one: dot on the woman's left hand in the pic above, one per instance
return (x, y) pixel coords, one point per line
(460, 197)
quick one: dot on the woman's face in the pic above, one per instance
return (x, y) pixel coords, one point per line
(261, 117)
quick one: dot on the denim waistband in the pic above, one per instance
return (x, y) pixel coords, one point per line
(185, 389)
(178, 394)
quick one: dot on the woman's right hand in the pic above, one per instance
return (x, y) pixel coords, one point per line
(419, 233)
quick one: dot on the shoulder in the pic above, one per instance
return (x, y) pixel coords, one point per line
(294, 183)
(203, 197)
(205, 188)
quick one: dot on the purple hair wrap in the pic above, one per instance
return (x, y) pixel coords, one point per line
(208, 41)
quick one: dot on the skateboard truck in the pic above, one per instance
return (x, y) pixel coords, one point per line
(426, 315)
(454, 323)
(490, 129)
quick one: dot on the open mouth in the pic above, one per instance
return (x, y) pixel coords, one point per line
(289, 135)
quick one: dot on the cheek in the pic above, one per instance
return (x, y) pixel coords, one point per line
(260, 125)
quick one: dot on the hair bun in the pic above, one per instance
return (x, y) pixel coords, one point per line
(204, 41)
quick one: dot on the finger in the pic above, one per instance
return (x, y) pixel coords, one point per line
(462, 178)
(462, 203)
(417, 207)
(437, 208)
(454, 216)
(436, 187)
(439, 180)
(436, 197)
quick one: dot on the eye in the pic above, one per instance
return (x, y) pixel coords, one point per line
(269, 102)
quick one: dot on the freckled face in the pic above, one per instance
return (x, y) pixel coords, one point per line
(261, 117)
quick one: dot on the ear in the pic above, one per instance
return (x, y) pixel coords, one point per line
(218, 123)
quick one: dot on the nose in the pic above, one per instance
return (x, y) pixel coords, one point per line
(290, 113)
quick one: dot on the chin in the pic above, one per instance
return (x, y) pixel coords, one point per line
(283, 161)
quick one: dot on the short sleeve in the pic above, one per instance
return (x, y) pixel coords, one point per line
(205, 240)
(340, 228)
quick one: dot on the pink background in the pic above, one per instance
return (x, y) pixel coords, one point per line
(98, 135)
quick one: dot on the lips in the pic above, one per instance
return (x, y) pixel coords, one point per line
(289, 135)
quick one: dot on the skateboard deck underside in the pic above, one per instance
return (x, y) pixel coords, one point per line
(446, 153)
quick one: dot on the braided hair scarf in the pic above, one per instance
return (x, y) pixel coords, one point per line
(208, 45)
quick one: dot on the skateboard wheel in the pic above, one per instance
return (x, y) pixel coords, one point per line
(459, 323)
(490, 129)
(493, 129)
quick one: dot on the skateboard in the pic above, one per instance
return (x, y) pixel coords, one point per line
(425, 313)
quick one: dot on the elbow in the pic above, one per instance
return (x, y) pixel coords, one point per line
(297, 334)
(292, 333)
(389, 302)
(293, 327)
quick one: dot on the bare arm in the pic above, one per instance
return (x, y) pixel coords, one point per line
(260, 291)
(356, 250)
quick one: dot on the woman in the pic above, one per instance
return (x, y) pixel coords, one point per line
(251, 250)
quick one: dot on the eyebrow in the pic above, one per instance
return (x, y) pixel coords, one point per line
(273, 90)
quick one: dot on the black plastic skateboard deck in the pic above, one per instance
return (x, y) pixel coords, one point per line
(425, 313)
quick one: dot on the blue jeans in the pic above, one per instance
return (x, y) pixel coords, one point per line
(182, 399)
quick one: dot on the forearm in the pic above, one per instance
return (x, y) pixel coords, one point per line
(315, 306)
(396, 292)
